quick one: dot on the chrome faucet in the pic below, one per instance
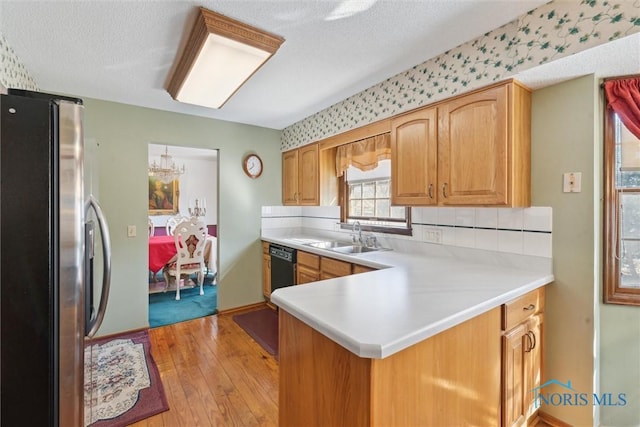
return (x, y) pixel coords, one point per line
(358, 239)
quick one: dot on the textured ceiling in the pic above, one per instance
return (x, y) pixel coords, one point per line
(124, 50)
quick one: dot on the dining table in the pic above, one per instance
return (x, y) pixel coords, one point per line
(162, 251)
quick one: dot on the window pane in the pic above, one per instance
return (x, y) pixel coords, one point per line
(630, 242)
(368, 190)
(368, 208)
(368, 201)
(630, 264)
(382, 190)
(355, 191)
(355, 208)
(382, 208)
(630, 215)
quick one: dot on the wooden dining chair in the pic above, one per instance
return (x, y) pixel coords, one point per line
(152, 228)
(190, 238)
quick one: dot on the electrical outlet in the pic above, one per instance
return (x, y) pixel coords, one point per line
(131, 231)
(432, 235)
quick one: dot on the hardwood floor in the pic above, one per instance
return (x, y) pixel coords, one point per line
(213, 374)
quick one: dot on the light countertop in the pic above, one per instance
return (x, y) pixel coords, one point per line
(411, 298)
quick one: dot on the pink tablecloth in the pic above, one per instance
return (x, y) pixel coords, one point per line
(162, 249)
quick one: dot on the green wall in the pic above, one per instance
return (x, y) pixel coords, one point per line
(563, 140)
(122, 133)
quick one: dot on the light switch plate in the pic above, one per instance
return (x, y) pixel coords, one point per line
(131, 231)
(572, 182)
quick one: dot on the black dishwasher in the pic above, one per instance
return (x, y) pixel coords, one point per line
(283, 266)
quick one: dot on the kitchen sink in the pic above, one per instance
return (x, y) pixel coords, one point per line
(355, 249)
(347, 248)
(330, 244)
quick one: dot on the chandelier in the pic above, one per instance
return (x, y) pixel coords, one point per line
(166, 171)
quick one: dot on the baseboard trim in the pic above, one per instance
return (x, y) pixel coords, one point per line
(242, 308)
(116, 335)
(551, 420)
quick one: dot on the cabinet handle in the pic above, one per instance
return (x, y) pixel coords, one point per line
(295, 196)
(529, 307)
(533, 338)
(430, 191)
(530, 346)
(444, 190)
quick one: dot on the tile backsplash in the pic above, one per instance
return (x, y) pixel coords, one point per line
(524, 231)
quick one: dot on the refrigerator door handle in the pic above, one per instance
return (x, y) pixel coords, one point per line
(106, 277)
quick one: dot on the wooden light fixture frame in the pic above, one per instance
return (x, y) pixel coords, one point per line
(209, 22)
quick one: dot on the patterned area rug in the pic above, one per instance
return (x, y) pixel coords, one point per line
(122, 382)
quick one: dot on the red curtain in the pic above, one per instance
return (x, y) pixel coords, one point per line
(623, 96)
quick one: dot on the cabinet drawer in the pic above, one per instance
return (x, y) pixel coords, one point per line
(334, 267)
(361, 269)
(307, 275)
(265, 247)
(520, 309)
(310, 260)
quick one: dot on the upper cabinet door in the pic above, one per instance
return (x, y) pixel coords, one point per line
(473, 149)
(308, 173)
(484, 148)
(290, 177)
(414, 167)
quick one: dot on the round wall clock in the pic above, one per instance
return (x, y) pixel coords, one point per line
(252, 165)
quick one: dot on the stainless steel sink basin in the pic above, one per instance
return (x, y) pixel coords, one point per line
(353, 249)
(344, 247)
(329, 244)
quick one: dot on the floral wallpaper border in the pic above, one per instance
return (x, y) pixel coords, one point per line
(550, 32)
(13, 73)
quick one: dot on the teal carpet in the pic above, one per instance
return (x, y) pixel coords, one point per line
(165, 310)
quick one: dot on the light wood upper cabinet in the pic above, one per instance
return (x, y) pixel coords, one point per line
(482, 144)
(300, 176)
(414, 160)
(483, 148)
(290, 177)
(308, 175)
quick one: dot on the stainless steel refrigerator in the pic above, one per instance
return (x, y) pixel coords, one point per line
(49, 306)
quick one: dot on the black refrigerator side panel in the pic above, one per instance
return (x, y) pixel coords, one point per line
(27, 270)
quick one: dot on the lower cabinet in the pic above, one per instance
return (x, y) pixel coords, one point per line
(330, 268)
(308, 268)
(266, 270)
(522, 340)
(357, 269)
(311, 268)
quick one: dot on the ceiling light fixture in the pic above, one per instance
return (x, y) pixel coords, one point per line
(167, 170)
(220, 55)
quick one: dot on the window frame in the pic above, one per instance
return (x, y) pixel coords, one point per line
(344, 215)
(613, 293)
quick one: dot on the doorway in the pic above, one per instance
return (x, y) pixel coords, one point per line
(183, 184)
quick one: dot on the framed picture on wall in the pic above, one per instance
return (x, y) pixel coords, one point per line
(163, 197)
